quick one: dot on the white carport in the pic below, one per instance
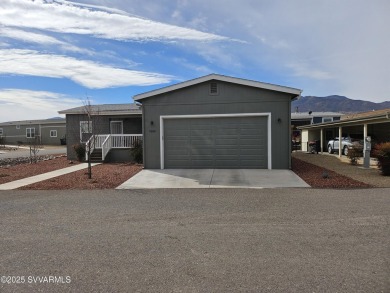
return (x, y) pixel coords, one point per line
(374, 123)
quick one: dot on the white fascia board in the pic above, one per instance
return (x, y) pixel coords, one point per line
(257, 84)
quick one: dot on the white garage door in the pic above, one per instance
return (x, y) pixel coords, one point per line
(223, 143)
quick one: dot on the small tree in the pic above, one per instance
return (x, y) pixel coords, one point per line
(92, 115)
(34, 146)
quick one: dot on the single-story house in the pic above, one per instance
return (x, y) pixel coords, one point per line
(48, 131)
(113, 127)
(217, 121)
(307, 118)
(373, 123)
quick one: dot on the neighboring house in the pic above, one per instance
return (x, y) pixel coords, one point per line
(307, 118)
(48, 132)
(114, 126)
(373, 123)
(217, 121)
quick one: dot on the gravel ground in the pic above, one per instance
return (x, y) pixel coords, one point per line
(370, 176)
(12, 173)
(107, 175)
(319, 177)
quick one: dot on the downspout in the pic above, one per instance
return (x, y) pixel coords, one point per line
(40, 134)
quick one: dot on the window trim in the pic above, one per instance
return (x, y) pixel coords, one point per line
(1, 131)
(54, 131)
(29, 133)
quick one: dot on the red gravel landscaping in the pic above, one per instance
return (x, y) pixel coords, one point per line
(104, 176)
(16, 172)
(314, 176)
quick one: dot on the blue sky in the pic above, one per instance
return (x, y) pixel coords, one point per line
(55, 54)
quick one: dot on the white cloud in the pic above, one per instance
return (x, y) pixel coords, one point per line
(84, 72)
(33, 104)
(41, 39)
(71, 18)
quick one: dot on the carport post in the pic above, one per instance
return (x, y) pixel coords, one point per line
(365, 134)
(321, 139)
(340, 140)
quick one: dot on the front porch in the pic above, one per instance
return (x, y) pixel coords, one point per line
(101, 145)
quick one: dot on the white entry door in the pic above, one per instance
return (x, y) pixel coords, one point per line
(116, 127)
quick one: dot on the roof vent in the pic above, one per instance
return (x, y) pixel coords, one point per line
(213, 88)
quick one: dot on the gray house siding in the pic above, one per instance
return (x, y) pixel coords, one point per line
(16, 133)
(100, 125)
(231, 99)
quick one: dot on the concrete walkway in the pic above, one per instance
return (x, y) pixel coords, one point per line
(38, 178)
(213, 178)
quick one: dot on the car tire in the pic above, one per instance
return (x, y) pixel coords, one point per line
(330, 150)
(345, 151)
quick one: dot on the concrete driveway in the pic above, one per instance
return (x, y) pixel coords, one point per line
(213, 178)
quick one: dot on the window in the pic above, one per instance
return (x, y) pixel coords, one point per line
(85, 128)
(1, 131)
(30, 132)
(327, 119)
(18, 126)
(213, 88)
(53, 133)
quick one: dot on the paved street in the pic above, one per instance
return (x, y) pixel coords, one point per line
(208, 240)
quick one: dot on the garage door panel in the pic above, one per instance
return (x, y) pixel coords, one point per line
(231, 142)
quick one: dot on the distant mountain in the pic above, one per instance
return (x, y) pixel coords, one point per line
(335, 104)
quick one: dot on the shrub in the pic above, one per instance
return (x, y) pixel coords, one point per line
(354, 154)
(79, 150)
(382, 153)
(137, 151)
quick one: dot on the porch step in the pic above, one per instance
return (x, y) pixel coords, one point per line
(96, 156)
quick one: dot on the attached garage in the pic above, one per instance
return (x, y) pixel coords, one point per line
(217, 122)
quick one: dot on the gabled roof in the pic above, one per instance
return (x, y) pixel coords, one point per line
(106, 109)
(268, 86)
(35, 122)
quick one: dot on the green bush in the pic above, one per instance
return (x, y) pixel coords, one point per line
(79, 150)
(382, 153)
(137, 151)
(354, 154)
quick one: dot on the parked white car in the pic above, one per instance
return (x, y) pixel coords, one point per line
(346, 143)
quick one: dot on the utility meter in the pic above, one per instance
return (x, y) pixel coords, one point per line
(367, 143)
(367, 149)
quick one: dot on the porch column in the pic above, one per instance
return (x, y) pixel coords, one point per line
(322, 140)
(365, 133)
(340, 140)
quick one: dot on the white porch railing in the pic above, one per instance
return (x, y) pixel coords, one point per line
(106, 142)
